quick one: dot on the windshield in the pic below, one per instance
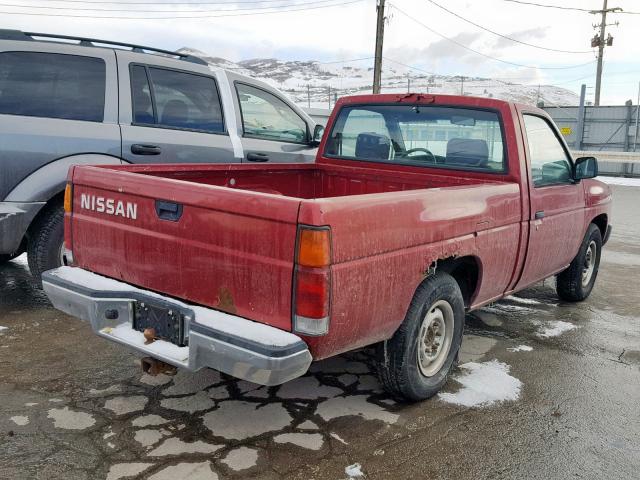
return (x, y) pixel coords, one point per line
(443, 137)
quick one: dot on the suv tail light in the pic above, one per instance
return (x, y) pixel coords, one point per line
(312, 294)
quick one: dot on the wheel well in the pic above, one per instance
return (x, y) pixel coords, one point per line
(57, 198)
(601, 221)
(465, 271)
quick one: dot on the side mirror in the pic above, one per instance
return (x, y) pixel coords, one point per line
(318, 131)
(585, 167)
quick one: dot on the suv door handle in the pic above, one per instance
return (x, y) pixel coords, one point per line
(257, 157)
(138, 149)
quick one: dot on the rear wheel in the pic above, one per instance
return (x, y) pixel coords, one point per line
(46, 241)
(415, 362)
(576, 282)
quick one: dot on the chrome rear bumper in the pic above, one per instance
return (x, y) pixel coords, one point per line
(233, 345)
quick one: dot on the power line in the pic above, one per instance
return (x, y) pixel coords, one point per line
(126, 10)
(153, 3)
(173, 17)
(559, 7)
(481, 53)
(533, 4)
(505, 36)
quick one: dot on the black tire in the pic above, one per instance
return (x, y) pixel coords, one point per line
(569, 283)
(46, 236)
(398, 358)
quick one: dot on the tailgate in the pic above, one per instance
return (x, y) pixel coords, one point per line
(229, 249)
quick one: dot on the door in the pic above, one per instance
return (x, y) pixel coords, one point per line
(172, 116)
(272, 131)
(556, 220)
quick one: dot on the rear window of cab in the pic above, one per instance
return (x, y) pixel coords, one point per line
(419, 135)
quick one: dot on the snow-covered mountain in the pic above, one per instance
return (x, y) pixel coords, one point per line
(311, 82)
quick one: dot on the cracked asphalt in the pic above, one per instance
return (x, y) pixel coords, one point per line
(545, 389)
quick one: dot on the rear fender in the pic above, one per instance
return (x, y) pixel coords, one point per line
(49, 180)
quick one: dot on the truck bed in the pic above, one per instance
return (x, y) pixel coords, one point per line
(232, 246)
(304, 181)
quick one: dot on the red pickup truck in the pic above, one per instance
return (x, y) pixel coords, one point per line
(418, 209)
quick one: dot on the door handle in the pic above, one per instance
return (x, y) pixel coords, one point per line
(138, 149)
(170, 211)
(539, 214)
(257, 157)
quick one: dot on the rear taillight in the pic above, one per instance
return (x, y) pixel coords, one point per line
(312, 281)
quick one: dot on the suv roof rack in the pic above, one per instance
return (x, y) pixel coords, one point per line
(91, 42)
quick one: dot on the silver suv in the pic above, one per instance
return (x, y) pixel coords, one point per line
(69, 100)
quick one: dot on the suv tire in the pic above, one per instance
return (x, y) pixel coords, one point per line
(576, 282)
(415, 363)
(46, 238)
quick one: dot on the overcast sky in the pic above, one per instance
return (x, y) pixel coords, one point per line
(347, 32)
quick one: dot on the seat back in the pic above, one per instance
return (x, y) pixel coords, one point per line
(467, 151)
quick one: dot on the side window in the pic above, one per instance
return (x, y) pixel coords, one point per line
(173, 99)
(266, 116)
(549, 162)
(141, 96)
(52, 85)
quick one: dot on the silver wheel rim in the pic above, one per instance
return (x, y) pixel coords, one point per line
(434, 338)
(589, 263)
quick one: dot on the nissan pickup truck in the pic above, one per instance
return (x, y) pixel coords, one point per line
(419, 208)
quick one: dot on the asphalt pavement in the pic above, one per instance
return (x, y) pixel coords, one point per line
(544, 390)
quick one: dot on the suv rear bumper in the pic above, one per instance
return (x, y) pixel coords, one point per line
(233, 345)
(15, 219)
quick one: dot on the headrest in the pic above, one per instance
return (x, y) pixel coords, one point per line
(372, 146)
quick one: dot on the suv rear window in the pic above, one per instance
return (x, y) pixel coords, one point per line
(175, 100)
(52, 85)
(420, 135)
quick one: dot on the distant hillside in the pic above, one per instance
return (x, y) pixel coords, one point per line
(293, 77)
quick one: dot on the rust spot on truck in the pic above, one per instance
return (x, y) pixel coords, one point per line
(224, 301)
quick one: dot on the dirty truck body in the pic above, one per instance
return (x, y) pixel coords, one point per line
(417, 209)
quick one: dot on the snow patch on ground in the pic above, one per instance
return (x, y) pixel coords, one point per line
(3, 328)
(484, 384)
(520, 348)
(186, 471)
(354, 471)
(124, 405)
(354, 405)
(20, 420)
(70, 419)
(526, 301)
(555, 328)
(310, 441)
(241, 458)
(621, 181)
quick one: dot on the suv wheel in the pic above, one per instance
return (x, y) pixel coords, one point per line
(46, 241)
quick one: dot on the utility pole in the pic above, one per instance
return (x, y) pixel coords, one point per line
(408, 83)
(377, 64)
(462, 85)
(600, 41)
(329, 97)
(635, 136)
(308, 96)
